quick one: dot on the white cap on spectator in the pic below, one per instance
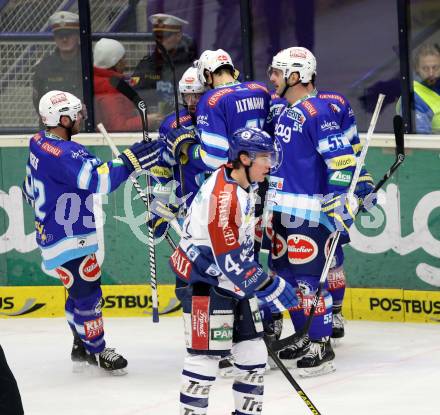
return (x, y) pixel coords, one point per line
(107, 53)
(63, 20)
(166, 22)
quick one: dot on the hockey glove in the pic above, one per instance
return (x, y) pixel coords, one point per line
(279, 295)
(339, 212)
(142, 155)
(177, 141)
(363, 191)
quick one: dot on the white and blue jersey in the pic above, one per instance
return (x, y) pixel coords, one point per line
(61, 177)
(222, 111)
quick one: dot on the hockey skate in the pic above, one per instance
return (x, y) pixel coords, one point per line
(110, 361)
(295, 351)
(226, 368)
(78, 354)
(318, 360)
(338, 326)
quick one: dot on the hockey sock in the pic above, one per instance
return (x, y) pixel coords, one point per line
(198, 375)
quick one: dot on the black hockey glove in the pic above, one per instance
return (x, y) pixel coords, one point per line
(142, 155)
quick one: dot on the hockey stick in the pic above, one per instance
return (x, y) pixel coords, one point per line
(125, 89)
(170, 62)
(290, 378)
(132, 95)
(400, 152)
(287, 341)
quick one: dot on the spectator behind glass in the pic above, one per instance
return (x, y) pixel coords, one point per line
(427, 89)
(61, 70)
(153, 77)
(112, 108)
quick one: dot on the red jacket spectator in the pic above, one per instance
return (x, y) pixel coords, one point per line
(112, 108)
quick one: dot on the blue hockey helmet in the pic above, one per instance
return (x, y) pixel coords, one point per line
(252, 141)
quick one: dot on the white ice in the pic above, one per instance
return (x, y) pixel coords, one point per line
(382, 368)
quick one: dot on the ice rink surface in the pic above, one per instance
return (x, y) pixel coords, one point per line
(382, 368)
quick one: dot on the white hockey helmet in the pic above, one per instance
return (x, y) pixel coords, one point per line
(210, 60)
(296, 59)
(55, 104)
(190, 84)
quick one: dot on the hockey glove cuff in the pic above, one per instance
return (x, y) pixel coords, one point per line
(142, 156)
(339, 211)
(279, 295)
(364, 192)
(177, 140)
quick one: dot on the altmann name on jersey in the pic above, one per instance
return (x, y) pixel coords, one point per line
(341, 178)
(247, 104)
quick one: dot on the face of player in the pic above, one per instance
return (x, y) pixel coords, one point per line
(191, 100)
(67, 41)
(260, 167)
(429, 68)
(277, 78)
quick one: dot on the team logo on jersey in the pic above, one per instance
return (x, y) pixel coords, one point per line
(257, 86)
(336, 97)
(215, 97)
(309, 108)
(51, 149)
(89, 270)
(65, 276)
(335, 108)
(301, 249)
(329, 126)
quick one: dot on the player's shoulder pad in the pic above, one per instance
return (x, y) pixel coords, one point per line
(213, 97)
(253, 85)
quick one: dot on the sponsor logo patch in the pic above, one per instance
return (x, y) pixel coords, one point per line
(89, 270)
(336, 278)
(301, 249)
(51, 149)
(200, 322)
(329, 126)
(182, 120)
(65, 276)
(336, 97)
(215, 97)
(309, 108)
(180, 264)
(341, 177)
(257, 86)
(94, 328)
(223, 333)
(341, 162)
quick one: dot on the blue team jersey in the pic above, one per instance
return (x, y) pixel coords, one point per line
(222, 111)
(193, 170)
(316, 159)
(61, 177)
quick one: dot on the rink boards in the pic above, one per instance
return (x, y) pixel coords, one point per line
(135, 301)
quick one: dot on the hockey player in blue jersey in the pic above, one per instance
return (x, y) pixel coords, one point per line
(61, 178)
(215, 259)
(186, 170)
(308, 196)
(227, 106)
